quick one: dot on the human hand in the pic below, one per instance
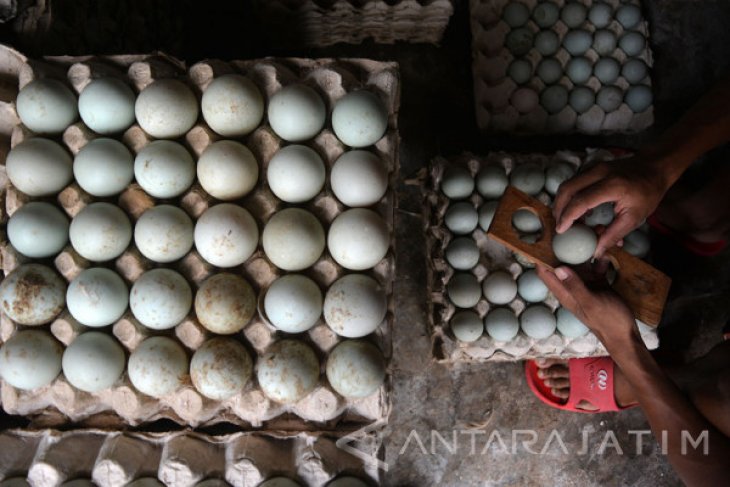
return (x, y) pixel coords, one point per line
(592, 301)
(634, 185)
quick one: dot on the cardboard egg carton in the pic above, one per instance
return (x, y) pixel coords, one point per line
(59, 402)
(318, 23)
(494, 257)
(48, 458)
(493, 87)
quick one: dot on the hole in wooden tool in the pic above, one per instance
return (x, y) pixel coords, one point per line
(528, 225)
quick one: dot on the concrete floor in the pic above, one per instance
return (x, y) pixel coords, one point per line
(691, 44)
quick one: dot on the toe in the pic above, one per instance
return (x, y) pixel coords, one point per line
(546, 363)
(558, 383)
(561, 393)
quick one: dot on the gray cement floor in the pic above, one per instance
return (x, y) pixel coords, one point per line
(691, 44)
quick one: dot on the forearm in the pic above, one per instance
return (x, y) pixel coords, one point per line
(670, 413)
(705, 126)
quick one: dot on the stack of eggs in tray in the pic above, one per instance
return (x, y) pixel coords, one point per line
(516, 298)
(165, 236)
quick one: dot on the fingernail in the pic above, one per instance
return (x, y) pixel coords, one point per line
(541, 374)
(561, 273)
(599, 252)
(540, 361)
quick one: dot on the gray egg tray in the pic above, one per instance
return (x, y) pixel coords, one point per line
(493, 87)
(323, 409)
(494, 257)
(47, 458)
(318, 23)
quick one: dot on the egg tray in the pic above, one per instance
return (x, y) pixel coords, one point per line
(47, 458)
(317, 23)
(493, 257)
(323, 409)
(493, 87)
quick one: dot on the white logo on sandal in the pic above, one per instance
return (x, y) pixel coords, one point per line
(602, 379)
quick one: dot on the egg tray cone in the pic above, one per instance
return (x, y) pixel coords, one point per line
(47, 458)
(493, 87)
(323, 409)
(493, 257)
(317, 24)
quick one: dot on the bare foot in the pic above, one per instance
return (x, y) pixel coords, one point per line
(554, 373)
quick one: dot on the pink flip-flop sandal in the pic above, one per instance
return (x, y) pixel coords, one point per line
(591, 379)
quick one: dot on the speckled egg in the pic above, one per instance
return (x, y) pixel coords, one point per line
(568, 325)
(93, 362)
(164, 233)
(158, 366)
(160, 299)
(359, 119)
(359, 178)
(103, 167)
(296, 113)
(164, 169)
(466, 326)
(607, 70)
(461, 218)
(576, 245)
(525, 100)
(502, 324)
(546, 14)
(220, 368)
(600, 14)
(32, 294)
(538, 322)
(628, 16)
(549, 70)
(519, 41)
(38, 230)
(634, 70)
(288, 371)
(225, 303)
(166, 109)
(296, 174)
(463, 290)
(462, 253)
(577, 42)
(515, 14)
(600, 215)
(604, 42)
(520, 71)
(555, 174)
(528, 177)
(100, 232)
(499, 287)
(46, 106)
(632, 43)
(579, 70)
(293, 239)
(293, 303)
(355, 368)
(355, 305)
(486, 214)
(30, 359)
(232, 105)
(637, 244)
(526, 221)
(573, 14)
(531, 288)
(609, 98)
(226, 235)
(106, 106)
(491, 181)
(547, 42)
(554, 98)
(581, 99)
(97, 297)
(39, 167)
(227, 170)
(358, 239)
(639, 98)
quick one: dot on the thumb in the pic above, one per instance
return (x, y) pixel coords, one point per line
(617, 230)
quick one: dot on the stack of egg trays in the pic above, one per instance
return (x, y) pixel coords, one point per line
(323, 409)
(495, 257)
(49, 458)
(493, 87)
(318, 23)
